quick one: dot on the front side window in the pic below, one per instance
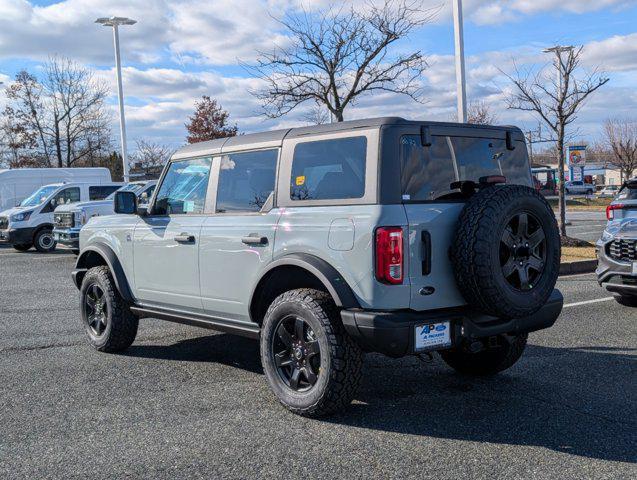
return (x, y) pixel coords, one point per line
(428, 172)
(100, 192)
(329, 169)
(66, 196)
(183, 190)
(246, 180)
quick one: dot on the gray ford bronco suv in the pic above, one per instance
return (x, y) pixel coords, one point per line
(381, 235)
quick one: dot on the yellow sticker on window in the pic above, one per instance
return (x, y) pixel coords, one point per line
(300, 180)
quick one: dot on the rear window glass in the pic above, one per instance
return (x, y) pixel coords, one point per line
(329, 169)
(628, 193)
(428, 172)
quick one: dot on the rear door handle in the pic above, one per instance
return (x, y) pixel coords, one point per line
(184, 238)
(255, 240)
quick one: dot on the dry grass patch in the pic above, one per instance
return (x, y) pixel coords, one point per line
(576, 254)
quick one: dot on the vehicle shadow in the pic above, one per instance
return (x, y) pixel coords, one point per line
(231, 350)
(581, 401)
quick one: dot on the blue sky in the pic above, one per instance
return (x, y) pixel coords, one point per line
(183, 49)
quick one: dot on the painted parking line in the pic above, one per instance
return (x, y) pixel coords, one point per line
(587, 302)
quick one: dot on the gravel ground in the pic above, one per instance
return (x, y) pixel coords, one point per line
(188, 403)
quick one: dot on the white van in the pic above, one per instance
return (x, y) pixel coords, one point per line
(31, 223)
(17, 184)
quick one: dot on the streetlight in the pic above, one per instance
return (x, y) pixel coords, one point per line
(558, 50)
(115, 22)
(460, 71)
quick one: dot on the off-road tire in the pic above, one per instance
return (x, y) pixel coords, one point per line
(627, 300)
(43, 241)
(340, 361)
(23, 247)
(487, 362)
(475, 251)
(121, 326)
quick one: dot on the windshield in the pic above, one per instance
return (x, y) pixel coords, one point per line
(39, 196)
(628, 193)
(131, 187)
(428, 172)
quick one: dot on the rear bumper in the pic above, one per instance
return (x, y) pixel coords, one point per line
(17, 236)
(393, 333)
(67, 236)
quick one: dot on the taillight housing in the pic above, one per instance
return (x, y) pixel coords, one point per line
(389, 255)
(610, 210)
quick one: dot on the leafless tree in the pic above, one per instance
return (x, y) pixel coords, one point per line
(63, 111)
(621, 138)
(556, 101)
(480, 113)
(318, 114)
(334, 56)
(151, 156)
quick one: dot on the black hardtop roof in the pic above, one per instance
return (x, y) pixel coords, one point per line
(275, 137)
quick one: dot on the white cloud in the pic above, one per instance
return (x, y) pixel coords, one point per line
(617, 53)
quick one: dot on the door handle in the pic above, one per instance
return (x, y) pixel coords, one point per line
(253, 239)
(184, 238)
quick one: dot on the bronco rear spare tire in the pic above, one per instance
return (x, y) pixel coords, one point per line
(506, 251)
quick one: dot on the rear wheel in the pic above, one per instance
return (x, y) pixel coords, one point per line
(627, 300)
(490, 361)
(107, 319)
(23, 247)
(44, 241)
(311, 364)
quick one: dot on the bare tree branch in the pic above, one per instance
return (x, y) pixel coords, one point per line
(621, 138)
(337, 55)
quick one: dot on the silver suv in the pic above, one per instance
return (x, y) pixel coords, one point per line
(382, 235)
(617, 247)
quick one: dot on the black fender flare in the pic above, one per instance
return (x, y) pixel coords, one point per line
(113, 263)
(333, 281)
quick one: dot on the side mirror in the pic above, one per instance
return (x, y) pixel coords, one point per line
(125, 202)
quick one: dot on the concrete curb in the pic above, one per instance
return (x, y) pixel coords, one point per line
(572, 268)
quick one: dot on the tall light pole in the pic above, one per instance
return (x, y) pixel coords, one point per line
(558, 50)
(461, 87)
(115, 22)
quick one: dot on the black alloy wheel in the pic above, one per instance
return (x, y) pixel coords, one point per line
(296, 353)
(523, 251)
(96, 309)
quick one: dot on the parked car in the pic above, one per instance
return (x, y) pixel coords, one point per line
(381, 235)
(609, 191)
(617, 247)
(69, 219)
(31, 223)
(579, 187)
(17, 184)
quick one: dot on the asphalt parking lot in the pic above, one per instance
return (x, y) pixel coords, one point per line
(189, 403)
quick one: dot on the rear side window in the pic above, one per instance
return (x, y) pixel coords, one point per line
(329, 169)
(100, 192)
(246, 180)
(183, 190)
(428, 172)
(627, 193)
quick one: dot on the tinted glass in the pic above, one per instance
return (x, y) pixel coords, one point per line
(101, 192)
(183, 190)
(427, 172)
(329, 169)
(246, 180)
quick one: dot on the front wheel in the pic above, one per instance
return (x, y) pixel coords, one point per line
(107, 319)
(44, 241)
(311, 364)
(487, 362)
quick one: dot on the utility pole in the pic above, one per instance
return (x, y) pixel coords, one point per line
(460, 69)
(115, 22)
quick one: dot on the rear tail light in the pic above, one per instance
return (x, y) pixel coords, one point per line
(610, 210)
(389, 255)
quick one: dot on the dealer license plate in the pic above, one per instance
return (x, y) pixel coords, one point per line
(433, 336)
